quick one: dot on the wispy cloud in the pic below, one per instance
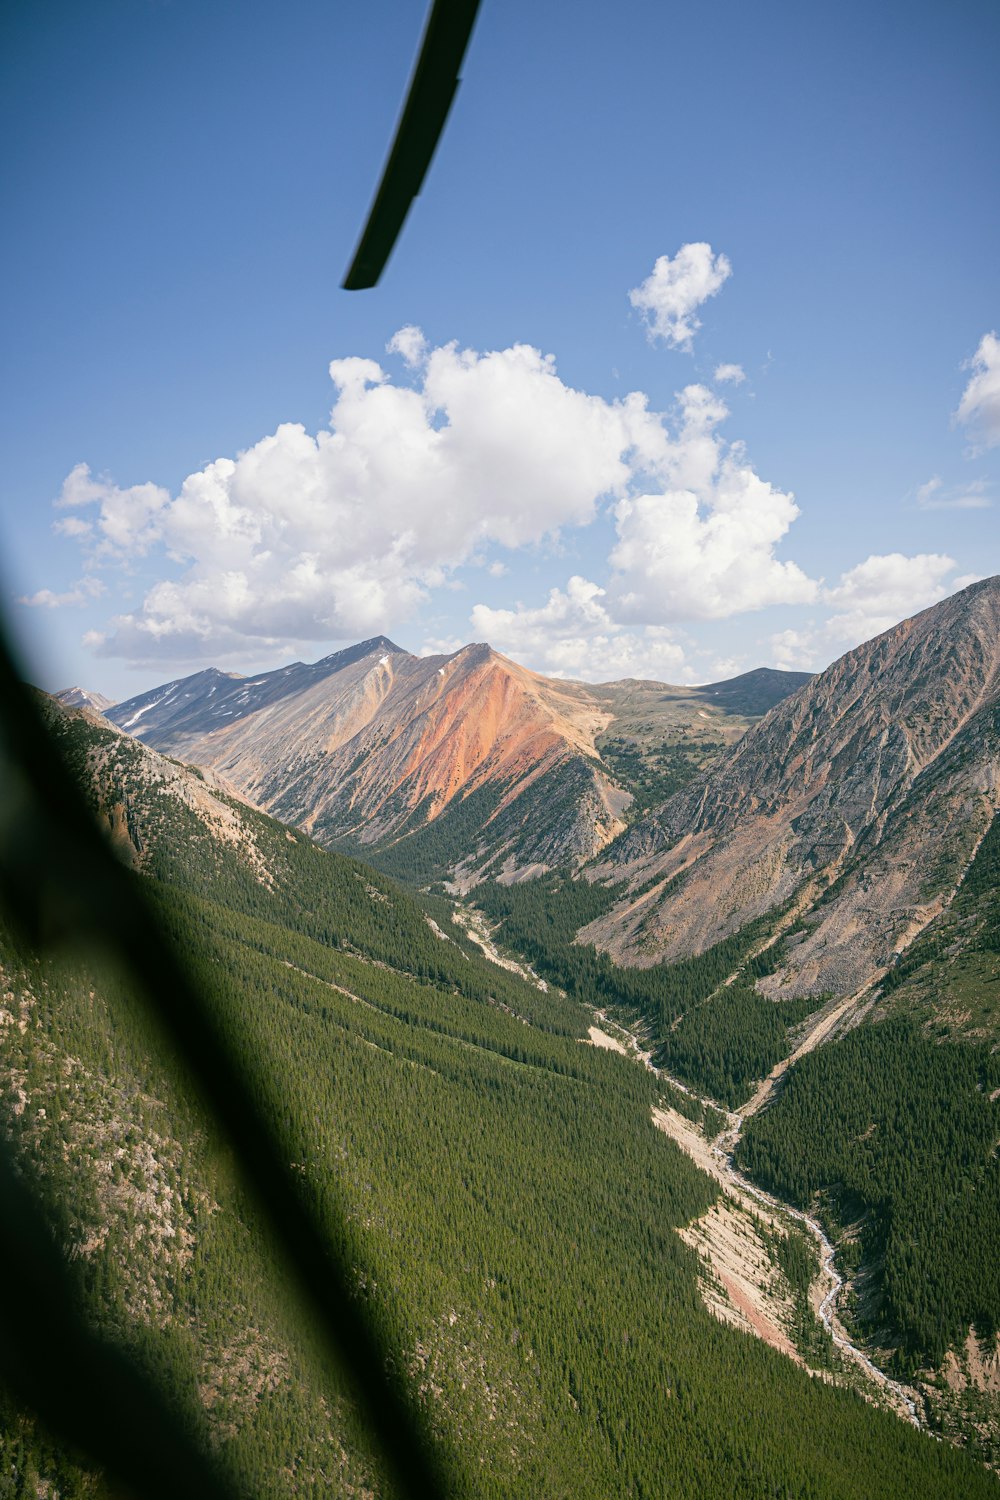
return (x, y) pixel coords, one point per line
(974, 495)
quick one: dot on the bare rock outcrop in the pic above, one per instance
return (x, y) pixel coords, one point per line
(857, 804)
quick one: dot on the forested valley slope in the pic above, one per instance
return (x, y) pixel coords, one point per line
(499, 1184)
(810, 936)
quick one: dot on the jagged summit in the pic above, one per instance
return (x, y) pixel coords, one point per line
(195, 705)
(78, 697)
(338, 659)
(374, 745)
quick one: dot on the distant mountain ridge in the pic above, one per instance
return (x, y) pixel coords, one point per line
(754, 692)
(78, 697)
(190, 705)
(464, 762)
(857, 804)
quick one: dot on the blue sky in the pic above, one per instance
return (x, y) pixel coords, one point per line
(184, 185)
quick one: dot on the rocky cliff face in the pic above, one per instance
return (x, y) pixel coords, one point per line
(510, 771)
(858, 803)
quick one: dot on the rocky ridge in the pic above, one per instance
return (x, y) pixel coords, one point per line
(495, 767)
(78, 697)
(854, 807)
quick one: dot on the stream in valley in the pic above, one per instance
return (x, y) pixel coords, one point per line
(902, 1398)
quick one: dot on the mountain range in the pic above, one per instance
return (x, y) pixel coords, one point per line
(531, 1239)
(778, 896)
(77, 697)
(465, 764)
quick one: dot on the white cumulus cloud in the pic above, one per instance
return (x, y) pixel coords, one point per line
(676, 288)
(573, 635)
(128, 522)
(410, 343)
(345, 532)
(870, 598)
(883, 590)
(314, 537)
(979, 408)
(703, 548)
(731, 374)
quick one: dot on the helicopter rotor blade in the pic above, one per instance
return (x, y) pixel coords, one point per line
(432, 88)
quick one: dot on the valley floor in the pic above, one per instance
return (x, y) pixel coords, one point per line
(743, 1285)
